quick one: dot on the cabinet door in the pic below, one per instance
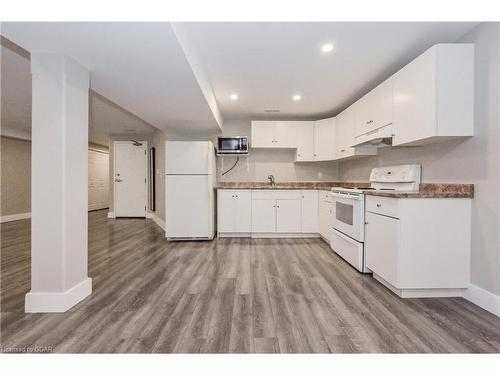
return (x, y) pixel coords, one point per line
(263, 134)
(324, 218)
(309, 208)
(381, 243)
(381, 103)
(344, 133)
(305, 140)
(285, 134)
(288, 216)
(375, 108)
(243, 211)
(415, 100)
(263, 215)
(226, 210)
(324, 139)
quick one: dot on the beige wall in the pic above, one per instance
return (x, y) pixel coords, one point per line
(279, 163)
(474, 160)
(15, 176)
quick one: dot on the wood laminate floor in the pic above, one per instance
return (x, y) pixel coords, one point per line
(230, 295)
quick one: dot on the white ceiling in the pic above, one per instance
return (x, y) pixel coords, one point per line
(267, 63)
(162, 72)
(106, 118)
(139, 66)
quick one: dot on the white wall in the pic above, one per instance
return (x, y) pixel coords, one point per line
(475, 160)
(262, 162)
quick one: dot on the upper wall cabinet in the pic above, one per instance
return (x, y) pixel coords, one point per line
(274, 134)
(374, 110)
(434, 96)
(324, 139)
(305, 141)
(345, 129)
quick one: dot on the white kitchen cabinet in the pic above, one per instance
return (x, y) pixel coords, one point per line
(234, 208)
(325, 207)
(276, 211)
(419, 247)
(375, 108)
(305, 141)
(285, 134)
(267, 213)
(263, 215)
(309, 211)
(324, 139)
(434, 96)
(381, 245)
(262, 134)
(288, 216)
(345, 132)
(274, 134)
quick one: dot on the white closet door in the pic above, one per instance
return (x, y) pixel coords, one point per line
(98, 180)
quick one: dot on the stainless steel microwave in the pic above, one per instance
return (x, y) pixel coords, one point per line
(232, 145)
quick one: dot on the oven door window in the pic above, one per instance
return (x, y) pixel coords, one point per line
(344, 212)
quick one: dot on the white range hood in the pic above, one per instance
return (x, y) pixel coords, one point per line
(377, 138)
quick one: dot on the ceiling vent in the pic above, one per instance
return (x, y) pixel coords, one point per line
(272, 110)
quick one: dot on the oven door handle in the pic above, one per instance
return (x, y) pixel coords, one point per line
(348, 196)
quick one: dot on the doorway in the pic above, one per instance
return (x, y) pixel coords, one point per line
(130, 178)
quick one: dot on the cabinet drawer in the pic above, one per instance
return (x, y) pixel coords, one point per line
(276, 194)
(382, 205)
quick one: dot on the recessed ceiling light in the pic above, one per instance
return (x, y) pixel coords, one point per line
(233, 97)
(328, 47)
(297, 97)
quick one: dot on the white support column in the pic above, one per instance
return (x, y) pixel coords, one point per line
(59, 277)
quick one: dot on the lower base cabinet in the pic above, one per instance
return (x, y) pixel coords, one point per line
(267, 212)
(419, 247)
(288, 216)
(263, 215)
(234, 211)
(325, 207)
(381, 244)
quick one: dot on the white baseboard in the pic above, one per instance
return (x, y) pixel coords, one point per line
(57, 302)
(111, 215)
(15, 217)
(420, 293)
(483, 298)
(156, 219)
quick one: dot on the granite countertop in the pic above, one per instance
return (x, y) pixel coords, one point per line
(431, 190)
(289, 185)
(427, 190)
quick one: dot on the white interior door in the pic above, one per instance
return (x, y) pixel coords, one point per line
(98, 180)
(130, 183)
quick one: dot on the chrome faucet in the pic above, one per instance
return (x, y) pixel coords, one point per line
(271, 179)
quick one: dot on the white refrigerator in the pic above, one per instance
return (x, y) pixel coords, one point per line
(189, 184)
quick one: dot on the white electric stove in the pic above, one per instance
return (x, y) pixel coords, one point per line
(348, 220)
